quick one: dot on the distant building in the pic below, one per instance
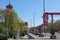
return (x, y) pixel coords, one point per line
(40, 28)
(37, 29)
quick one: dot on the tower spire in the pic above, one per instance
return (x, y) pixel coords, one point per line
(9, 2)
(9, 6)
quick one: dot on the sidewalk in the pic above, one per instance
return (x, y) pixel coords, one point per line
(33, 35)
(10, 39)
(46, 36)
(25, 37)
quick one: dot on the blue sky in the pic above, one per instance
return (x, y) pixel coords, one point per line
(26, 8)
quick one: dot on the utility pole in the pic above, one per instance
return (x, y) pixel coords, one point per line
(44, 13)
(43, 6)
(34, 21)
(31, 23)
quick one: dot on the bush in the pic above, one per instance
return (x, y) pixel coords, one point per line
(22, 34)
(3, 37)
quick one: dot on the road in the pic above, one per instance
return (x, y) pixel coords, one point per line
(29, 36)
(34, 37)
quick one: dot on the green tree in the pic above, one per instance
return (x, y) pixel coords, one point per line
(48, 27)
(12, 21)
(55, 24)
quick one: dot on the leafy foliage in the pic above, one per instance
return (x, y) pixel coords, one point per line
(12, 21)
(56, 26)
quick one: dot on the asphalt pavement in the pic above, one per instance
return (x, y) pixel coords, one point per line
(34, 37)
